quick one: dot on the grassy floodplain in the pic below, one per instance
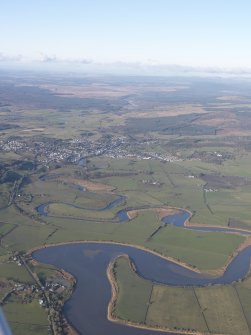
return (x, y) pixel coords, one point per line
(216, 309)
(167, 185)
(65, 210)
(157, 143)
(12, 271)
(27, 318)
(134, 296)
(191, 247)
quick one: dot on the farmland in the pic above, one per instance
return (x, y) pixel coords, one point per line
(168, 307)
(143, 149)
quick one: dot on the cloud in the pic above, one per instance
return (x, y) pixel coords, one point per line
(7, 58)
(44, 58)
(149, 67)
(153, 66)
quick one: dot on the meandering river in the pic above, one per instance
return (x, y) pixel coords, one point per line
(87, 262)
(86, 310)
(177, 220)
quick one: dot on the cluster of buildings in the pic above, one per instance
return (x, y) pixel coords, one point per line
(72, 150)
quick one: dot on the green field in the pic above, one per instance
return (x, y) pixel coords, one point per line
(26, 319)
(243, 290)
(175, 308)
(167, 185)
(132, 294)
(64, 210)
(216, 309)
(12, 271)
(78, 144)
(191, 247)
(222, 310)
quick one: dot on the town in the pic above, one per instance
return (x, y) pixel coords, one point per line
(48, 150)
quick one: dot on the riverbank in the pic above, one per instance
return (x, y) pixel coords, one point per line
(114, 296)
(173, 216)
(149, 268)
(213, 273)
(163, 212)
(168, 258)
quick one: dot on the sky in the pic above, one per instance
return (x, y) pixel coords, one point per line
(135, 34)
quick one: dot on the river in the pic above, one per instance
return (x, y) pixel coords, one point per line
(87, 262)
(86, 310)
